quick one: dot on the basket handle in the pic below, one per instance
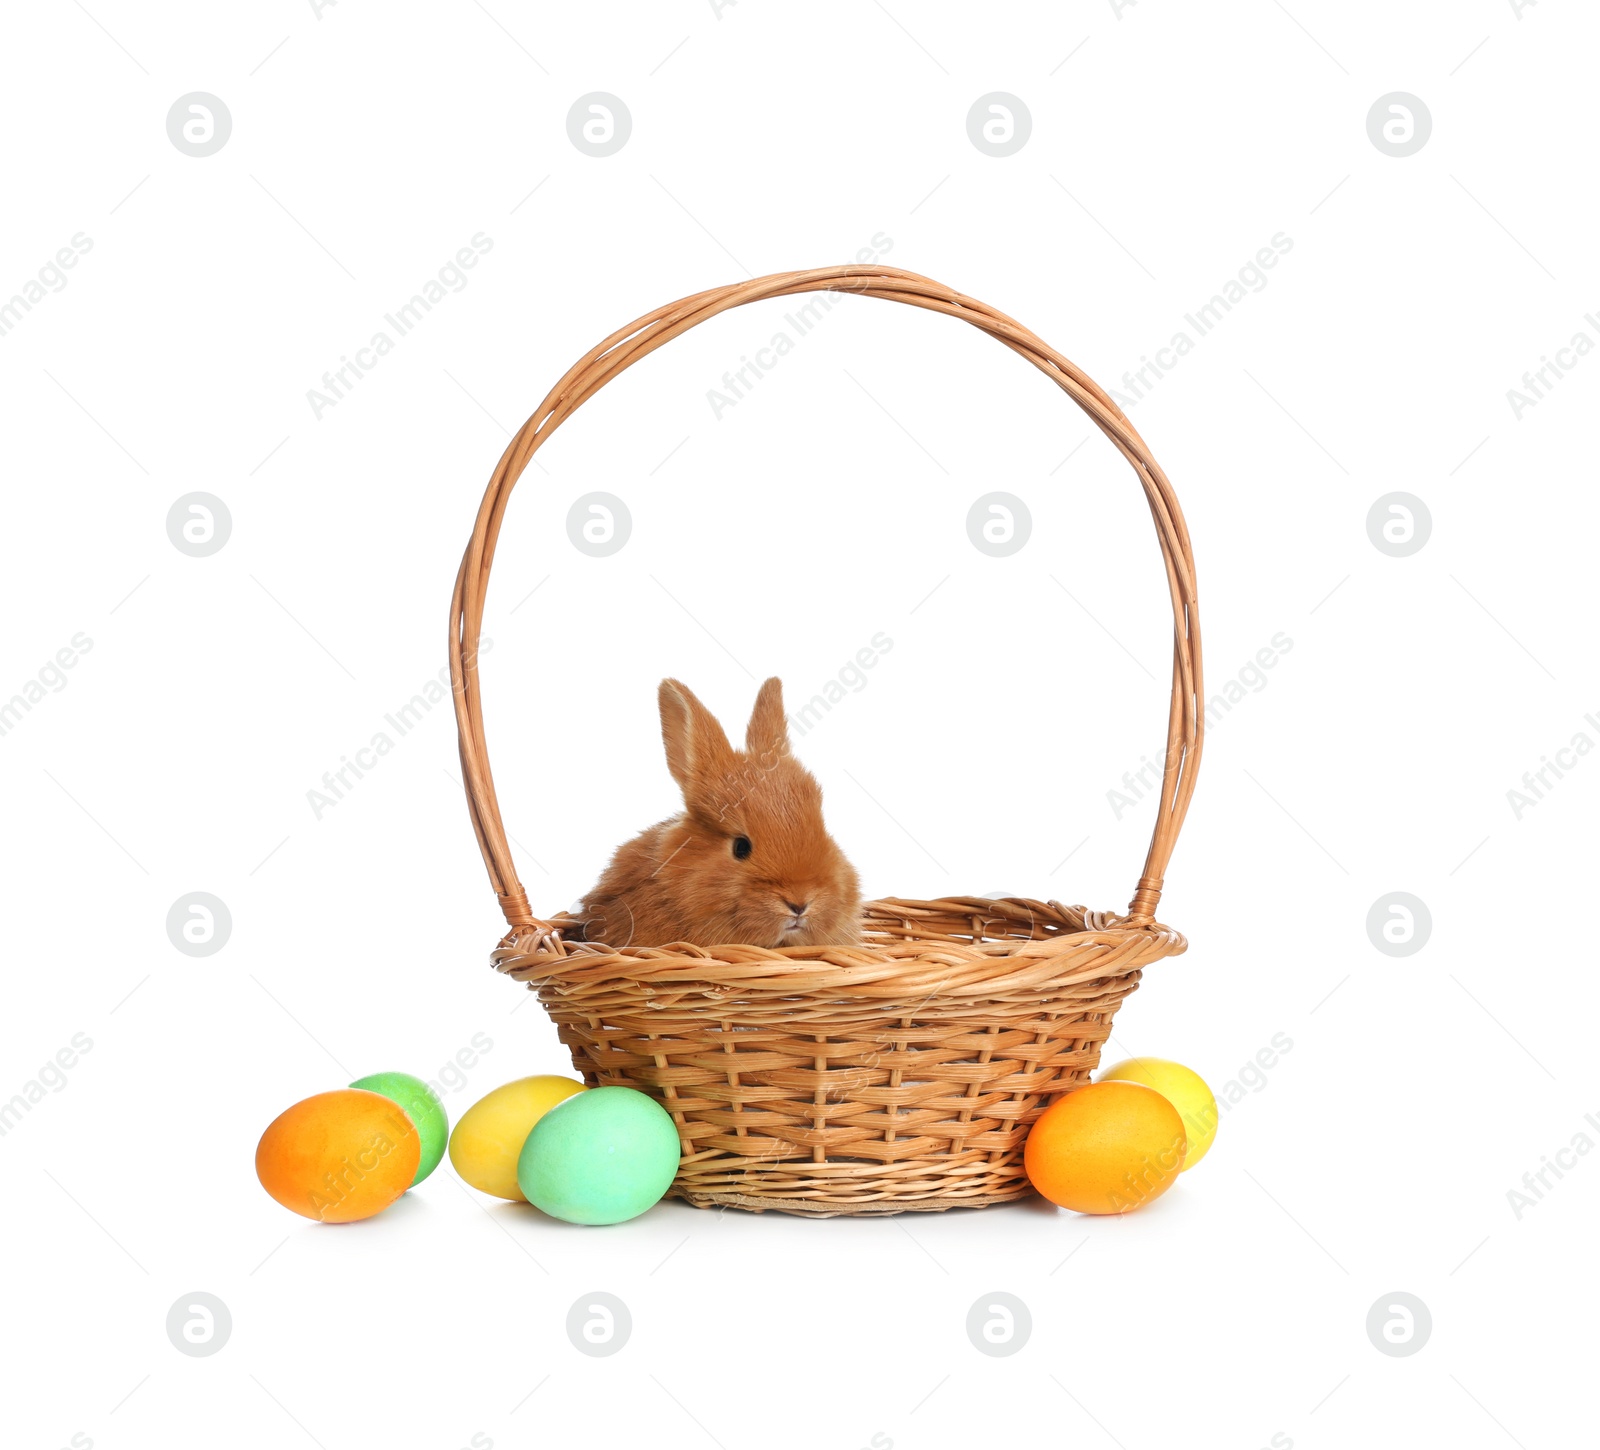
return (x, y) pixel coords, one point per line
(1185, 721)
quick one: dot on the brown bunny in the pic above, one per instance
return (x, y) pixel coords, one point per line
(749, 860)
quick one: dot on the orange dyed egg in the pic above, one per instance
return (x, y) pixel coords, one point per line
(1107, 1148)
(339, 1156)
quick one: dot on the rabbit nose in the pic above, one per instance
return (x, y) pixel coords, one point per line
(797, 907)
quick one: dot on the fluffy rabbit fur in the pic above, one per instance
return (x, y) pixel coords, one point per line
(748, 860)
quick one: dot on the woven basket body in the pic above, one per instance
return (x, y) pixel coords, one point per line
(900, 1074)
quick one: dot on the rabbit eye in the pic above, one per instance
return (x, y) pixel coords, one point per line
(741, 847)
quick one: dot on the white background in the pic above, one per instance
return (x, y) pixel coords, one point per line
(1169, 143)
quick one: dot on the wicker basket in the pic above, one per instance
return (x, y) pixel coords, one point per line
(899, 1075)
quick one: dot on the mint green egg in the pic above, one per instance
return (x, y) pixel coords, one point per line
(421, 1104)
(603, 1156)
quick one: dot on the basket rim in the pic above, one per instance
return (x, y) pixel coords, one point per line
(1107, 945)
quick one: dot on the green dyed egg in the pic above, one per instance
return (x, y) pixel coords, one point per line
(603, 1156)
(421, 1104)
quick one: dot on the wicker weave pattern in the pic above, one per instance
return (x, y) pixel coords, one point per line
(902, 1074)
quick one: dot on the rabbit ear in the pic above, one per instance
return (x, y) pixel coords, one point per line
(695, 743)
(768, 732)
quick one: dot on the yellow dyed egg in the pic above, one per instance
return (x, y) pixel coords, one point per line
(1184, 1088)
(488, 1140)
